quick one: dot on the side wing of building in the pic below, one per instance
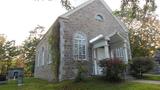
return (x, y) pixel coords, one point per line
(43, 61)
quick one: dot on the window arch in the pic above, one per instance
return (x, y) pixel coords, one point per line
(79, 46)
(99, 17)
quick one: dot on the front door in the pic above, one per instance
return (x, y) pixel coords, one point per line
(97, 69)
(98, 55)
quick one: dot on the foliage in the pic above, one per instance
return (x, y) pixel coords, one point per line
(81, 72)
(141, 65)
(20, 62)
(114, 69)
(53, 41)
(132, 7)
(29, 47)
(91, 84)
(3, 78)
(8, 51)
(2, 50)
(142, 24)
(157, 55)
(67, 4)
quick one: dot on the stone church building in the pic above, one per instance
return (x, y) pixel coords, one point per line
(89, 33)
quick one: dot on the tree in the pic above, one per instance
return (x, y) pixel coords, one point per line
(148, 6)
(2, 52)
(2, 41)
(29, 47)
(11, 51)
(142, 25)
(157, 55)
(8, 51)
(67, 4)
(141, 65)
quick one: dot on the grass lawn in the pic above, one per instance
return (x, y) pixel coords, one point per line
(152, 77)
(94, 84)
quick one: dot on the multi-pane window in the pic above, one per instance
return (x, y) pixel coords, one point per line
(119, 52)
(43, 56)
(50, 58)
(79, 50)
(48, 54)
(38, 59)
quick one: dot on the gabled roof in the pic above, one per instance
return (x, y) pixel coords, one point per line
(89, 2)
(77, 8)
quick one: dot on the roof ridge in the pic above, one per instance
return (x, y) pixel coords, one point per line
(77, 8)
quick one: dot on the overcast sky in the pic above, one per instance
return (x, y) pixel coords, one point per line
(18, 17)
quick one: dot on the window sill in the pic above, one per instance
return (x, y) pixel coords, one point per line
(81, 60)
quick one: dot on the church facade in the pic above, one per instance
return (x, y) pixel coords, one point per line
(89, 33)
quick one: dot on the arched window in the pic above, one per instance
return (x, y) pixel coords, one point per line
(43, 55)
(99, 18)
(80, 46)
(38, 59)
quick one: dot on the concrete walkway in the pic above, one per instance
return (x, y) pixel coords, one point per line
(152, 74)
(147, 81)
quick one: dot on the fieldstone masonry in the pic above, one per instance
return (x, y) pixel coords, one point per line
(81, 20)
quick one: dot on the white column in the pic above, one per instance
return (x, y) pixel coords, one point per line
(95, 62)
(125, 51)
(95, 67)
(94, 54)
(106, 49)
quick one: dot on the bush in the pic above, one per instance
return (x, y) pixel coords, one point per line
(141, 65)
(3, 78)
(81, 72)
(114, 69)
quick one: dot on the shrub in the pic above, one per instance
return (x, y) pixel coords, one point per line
(141, 65)
(81, 72)
(114, 69)
(3, 78)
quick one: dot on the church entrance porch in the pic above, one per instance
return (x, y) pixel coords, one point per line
(104, 47)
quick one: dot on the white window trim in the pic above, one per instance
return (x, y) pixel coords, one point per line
(48, 53)
(49, 58)
(38, 59)
(120, 52)
(101, 15)
(43, 52)
(85, 39)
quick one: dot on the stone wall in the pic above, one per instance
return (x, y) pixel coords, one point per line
(45, 71)
(84, 21)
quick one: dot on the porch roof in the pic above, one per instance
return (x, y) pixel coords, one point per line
(96, 38)
(114, 37)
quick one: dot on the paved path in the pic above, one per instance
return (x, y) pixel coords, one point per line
(147, 81)
(152, 74)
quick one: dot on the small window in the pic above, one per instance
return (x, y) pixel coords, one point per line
(99, 18)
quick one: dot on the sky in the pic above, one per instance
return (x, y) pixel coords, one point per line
(18, 17)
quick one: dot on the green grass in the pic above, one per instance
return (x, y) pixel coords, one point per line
(92, 84)
(152, 77)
